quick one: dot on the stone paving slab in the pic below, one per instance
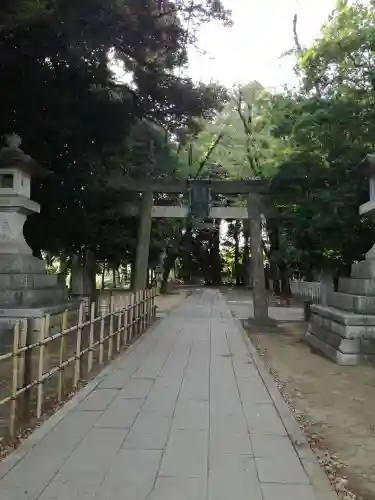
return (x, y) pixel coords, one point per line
(184, 415)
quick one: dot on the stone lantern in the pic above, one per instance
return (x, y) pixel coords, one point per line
(16, 171)
(26, 290)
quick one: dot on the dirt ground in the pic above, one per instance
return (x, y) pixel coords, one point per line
(339, 401)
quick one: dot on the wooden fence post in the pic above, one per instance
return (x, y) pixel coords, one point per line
(77, 367)
(44, 330)
(21, 357)
(110, 340)
(153, 307)
(132, 316)
(150, 307)
(61, 381)
(91, 338)
(134, 331)
(24, 371)
(13, 403)
(126, 321)
(144, 310)
(141, 294)
(138, 311)
(101, 339)
(119, 323)
(146, 307)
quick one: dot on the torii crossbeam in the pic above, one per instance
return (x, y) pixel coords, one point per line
(255, 191)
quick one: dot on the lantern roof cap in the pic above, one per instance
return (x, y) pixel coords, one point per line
(367, 166)
(12, 156)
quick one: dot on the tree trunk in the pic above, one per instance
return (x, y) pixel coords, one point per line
(77, 286)
(63, 265)
(143, 242)
(274, 255)
(215, 255)
(125, 274)
(103, 277)
(132, 275)
(286, 291)
(237, 267)
(282, 284)
(168, 264)
(246, 253)
(267, 277)
(90, 273)
(186, 242)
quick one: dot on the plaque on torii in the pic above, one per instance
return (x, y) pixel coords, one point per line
(200, 199)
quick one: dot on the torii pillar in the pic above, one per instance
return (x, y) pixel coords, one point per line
(143, 243)
(257, 260)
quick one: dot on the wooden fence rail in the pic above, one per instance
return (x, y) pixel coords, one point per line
(39, 370)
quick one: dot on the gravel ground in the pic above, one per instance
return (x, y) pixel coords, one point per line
(335, 405)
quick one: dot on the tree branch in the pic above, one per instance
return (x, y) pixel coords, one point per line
(207, 156)
(248, 132)
(297, 43)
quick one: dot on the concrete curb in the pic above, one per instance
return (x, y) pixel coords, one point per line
(17, 455)
(315, 473)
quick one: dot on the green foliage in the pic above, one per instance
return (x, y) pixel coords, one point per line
(84, 124)
(309, 142)
(327, 127)
(59, 93)
(342, 59)
(246, 147)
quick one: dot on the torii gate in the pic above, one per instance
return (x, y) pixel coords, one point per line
(201, 189)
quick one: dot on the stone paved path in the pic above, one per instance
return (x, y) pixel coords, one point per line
(184, 416)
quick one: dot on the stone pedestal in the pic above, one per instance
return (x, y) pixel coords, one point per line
(344, 329)
(26, 291)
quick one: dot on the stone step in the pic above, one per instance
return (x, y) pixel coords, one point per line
(18, 264)
(346, 346)
(349, 302)
(357, 286)
(330, 352)
(364, 269)
(343, 317)
(345, 331)
(27, 281)
(32, 298)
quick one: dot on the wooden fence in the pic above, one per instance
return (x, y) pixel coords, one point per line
(312, 291)
(39, 372)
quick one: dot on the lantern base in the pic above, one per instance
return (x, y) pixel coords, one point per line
(344, 329)
(28, 292)
(34, 315)
(17, 264)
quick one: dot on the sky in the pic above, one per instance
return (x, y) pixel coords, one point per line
(251, 49)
